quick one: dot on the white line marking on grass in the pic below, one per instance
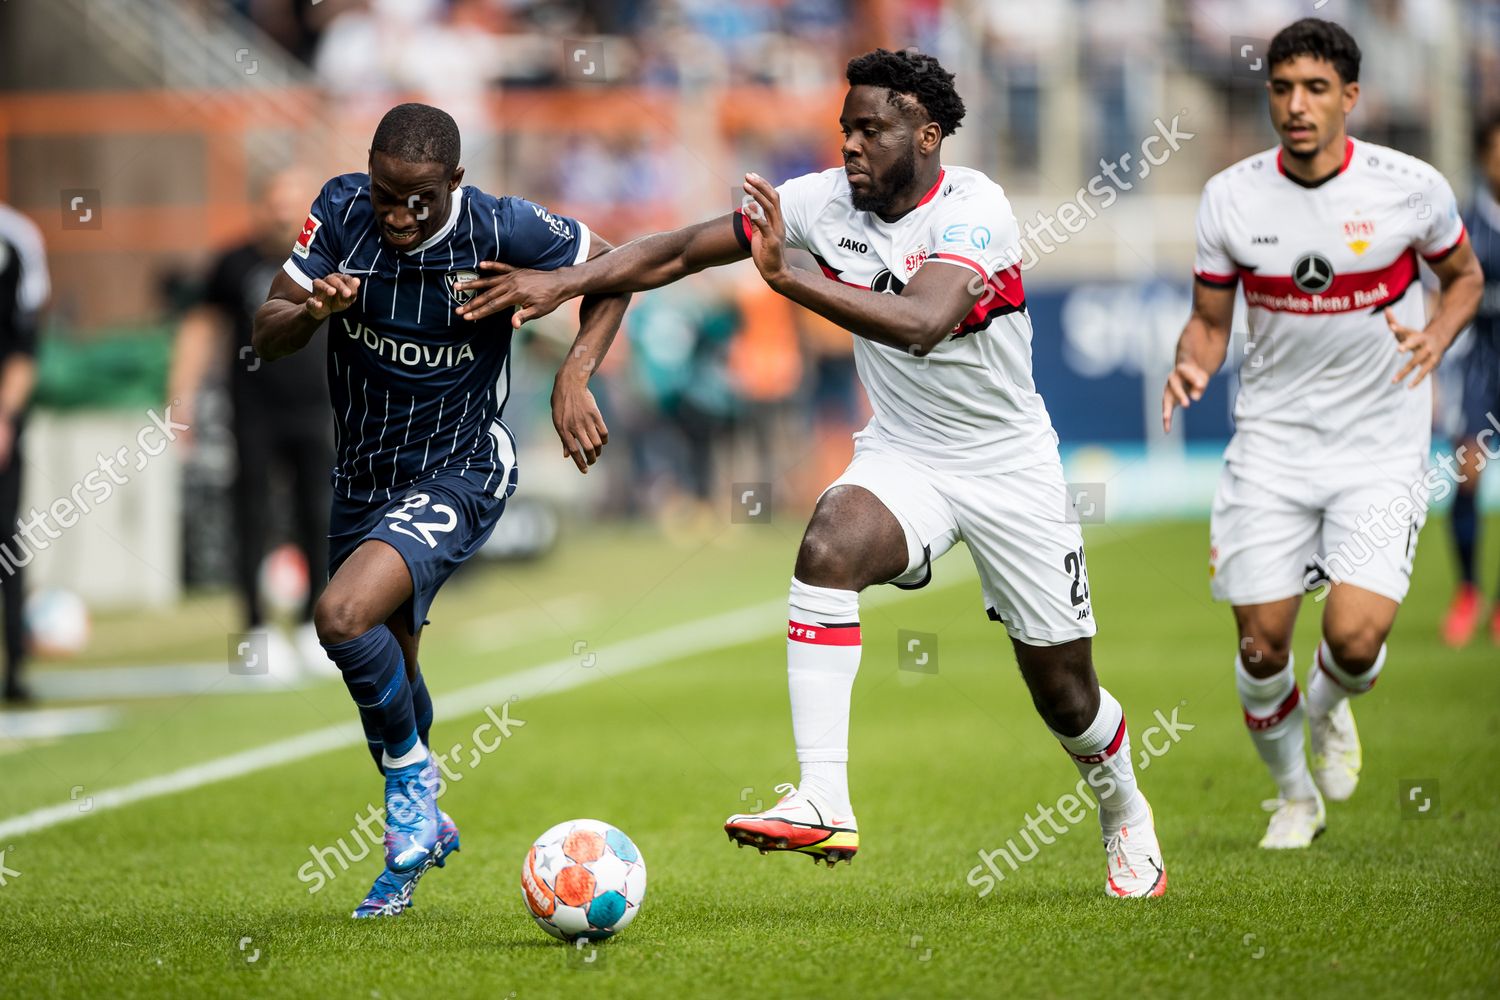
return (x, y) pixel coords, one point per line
(49, 723)
(159, 681)
(663, 646)
(668, 645)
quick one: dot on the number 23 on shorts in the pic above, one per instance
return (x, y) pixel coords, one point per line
(1073, 563)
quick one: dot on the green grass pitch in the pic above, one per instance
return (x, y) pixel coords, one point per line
(174, 895)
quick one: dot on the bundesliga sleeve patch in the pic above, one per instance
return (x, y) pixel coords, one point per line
(304, 239)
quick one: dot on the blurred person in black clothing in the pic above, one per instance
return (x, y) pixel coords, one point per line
(24, 289)
(280, 414)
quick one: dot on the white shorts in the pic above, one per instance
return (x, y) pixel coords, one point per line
(1029, 555)
(1274, 537)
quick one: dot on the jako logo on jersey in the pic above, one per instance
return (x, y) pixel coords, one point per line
(408, 353)
(1269, 241)
(1312, 273)
(305, 238)
(845, 243)
(460, 295)
(559, 227)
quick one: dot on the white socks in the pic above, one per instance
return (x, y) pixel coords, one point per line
(1274, 714)
(1102, 754)
(1331, 683)
(822, 658)
(415, 755)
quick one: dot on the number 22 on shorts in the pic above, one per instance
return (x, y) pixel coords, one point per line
(402, 520)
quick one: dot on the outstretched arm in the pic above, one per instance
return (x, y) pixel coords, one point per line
(927, 310)
(575, 414)
(649, 262)
(1200, 349)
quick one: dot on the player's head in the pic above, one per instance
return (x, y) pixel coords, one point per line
(281, 205)
(1313, 82)
(413, 173)
(899, 107)
(1487, 151)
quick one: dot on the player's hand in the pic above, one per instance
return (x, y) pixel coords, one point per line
(579, 424)
(1426, 350)
(1185, 386)
(332, 294)
(768, 239)
(532, 293)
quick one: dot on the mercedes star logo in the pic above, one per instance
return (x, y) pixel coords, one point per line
(1312, 273)
(887, 282)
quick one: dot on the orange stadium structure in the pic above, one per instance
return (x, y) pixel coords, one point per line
(198, 198)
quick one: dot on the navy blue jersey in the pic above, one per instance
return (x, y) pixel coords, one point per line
(1483, 222)
(417, 390)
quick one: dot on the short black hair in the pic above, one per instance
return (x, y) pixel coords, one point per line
(1313, 36)
(914, 73)
(418, 133)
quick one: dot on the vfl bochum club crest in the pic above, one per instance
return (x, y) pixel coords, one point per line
(452, 278)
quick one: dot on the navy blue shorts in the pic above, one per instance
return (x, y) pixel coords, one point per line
(436, 525)
(1481, 393)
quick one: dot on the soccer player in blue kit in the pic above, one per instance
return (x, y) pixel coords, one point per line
(1479, 435)
(424, 464)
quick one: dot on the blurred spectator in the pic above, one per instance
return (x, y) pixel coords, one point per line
(1023, 37)
(679, 338)
(379, 50)
(295, 24)
(1124, 52)
(765, 371)
(837, 402)
(1395, 41)
(24, 290)
(1483, 31)
(279, 413)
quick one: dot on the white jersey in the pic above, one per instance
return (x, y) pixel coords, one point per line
(970, 404)
(1320, 264)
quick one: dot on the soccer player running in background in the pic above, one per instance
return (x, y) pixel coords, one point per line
(424, 463)
(25, 287)
(920, 262)
(1481, 397)
(278, 412)
(1333, 418)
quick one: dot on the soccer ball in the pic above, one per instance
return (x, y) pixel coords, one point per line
(58, 621)
(583, 878)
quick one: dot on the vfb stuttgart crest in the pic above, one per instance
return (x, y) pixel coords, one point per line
(460, 295)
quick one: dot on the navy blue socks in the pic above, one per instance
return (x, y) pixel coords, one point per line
(374, 670)
(1465, 517)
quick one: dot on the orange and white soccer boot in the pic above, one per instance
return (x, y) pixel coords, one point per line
(796, 823)
(1134, 859)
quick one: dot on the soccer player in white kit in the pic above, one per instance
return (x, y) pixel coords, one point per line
(1328, 469)
(920, 262)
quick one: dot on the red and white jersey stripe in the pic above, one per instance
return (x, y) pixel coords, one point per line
(1319, 265)
(970, 403)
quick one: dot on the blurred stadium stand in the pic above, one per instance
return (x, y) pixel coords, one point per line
(636, 116)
